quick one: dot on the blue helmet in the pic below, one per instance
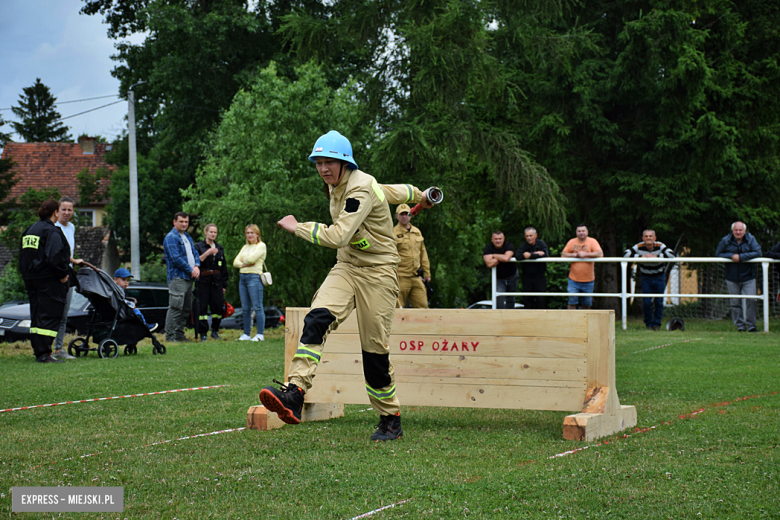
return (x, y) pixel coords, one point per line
(334, 145)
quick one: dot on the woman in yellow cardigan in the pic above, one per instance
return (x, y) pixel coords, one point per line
(250, 261)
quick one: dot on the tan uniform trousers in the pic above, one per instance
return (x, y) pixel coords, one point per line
(412, 291)
(373, 293)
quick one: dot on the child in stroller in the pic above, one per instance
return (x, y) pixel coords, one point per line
(122, 279)
(113, 322)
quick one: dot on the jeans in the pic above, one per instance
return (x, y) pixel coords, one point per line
(506, 285)
(250, 288)
(741, 320)
(580, 287)
(59, 340)
(655, 284)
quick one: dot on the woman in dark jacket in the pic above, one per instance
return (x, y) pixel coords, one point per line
(43, 263)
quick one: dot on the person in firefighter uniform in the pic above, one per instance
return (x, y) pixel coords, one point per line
(411, 249)
(364, 279)
(212, 283)
(43, 264)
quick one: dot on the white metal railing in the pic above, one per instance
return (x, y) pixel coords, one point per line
(624, 295)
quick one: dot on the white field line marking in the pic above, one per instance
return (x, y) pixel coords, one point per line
(145, 445)
(667, 345)
(109, 398)
(364, 515)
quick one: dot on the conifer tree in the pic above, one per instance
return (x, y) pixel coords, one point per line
(40, 121)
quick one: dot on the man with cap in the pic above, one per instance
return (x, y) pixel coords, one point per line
(411, 249)
(364, 279)
(122, 279)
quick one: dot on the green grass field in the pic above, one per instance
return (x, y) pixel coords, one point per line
(708, 406)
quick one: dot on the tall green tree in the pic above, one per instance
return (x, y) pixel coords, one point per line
(157, 203)
(194, 59)
(39, 119)
(654, 114)
(439, 97)
(257, 171)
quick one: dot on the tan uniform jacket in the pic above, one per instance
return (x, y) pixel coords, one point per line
(362, 229)
(411, 247)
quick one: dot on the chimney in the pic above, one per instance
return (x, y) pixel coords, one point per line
(87, 144)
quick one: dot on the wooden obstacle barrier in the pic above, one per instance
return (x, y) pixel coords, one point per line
(529, 359)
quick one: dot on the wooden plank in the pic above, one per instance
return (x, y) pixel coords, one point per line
(510, 346)
(473, 322)
(459, 396)
(464, 367)
(321, 411)
(401, 381)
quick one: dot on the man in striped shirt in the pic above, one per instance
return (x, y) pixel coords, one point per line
(653, 275)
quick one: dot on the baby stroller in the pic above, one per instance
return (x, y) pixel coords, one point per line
(112, 321)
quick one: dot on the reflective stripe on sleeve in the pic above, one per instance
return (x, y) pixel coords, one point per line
(305, 352)
(381, 395)
(315, 234)
(410, 193)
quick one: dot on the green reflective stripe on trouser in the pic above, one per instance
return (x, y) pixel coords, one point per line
(216, 316)
(43, 332)
(308, 353)
(381, 395)
(315, 234)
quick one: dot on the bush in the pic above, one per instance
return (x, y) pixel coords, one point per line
(154, 269)
(11, 284)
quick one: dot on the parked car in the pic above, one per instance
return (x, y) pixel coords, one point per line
(273, 318)
(488, 304)
(152, 302)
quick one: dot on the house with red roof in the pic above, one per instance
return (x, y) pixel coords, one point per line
(57, 165)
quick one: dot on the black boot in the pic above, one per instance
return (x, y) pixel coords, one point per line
(287, 401)
(388, 429)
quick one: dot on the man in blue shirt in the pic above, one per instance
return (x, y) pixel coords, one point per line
(183, 267)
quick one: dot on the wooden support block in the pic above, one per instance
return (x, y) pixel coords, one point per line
(592, 426)
(321, 411)
(260, 418)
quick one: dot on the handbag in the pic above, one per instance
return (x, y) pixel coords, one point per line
(266, 277)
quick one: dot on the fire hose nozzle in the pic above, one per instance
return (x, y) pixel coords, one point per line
(434, 196)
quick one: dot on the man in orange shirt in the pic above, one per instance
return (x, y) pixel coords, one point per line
(581, 274)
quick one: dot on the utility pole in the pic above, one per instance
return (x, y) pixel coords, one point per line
(135, 252)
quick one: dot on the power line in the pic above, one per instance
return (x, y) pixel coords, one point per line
(77, 100)
(92, 110)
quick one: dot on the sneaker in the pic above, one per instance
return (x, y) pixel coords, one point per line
(753, 330)
(61, 354)
(215, 335)
(244, 337)
(287, 402)
(152, 326)
(203, 337)
(388, 429)
(48, 358)
(259, 337)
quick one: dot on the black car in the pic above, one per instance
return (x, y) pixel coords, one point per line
(273, 318)
(152, 302)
